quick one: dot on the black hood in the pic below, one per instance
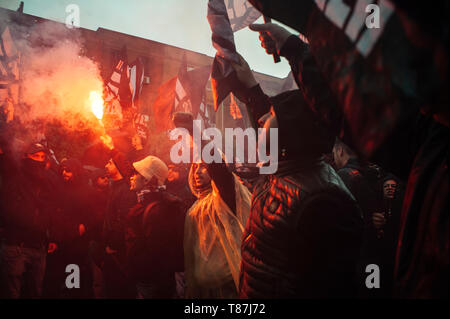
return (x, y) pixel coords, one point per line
(99, 172)
(73, 165)
(33, 170)
(301, 134)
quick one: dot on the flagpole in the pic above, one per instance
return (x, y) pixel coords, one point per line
(276, 57)
(223, 114)
(19, 93)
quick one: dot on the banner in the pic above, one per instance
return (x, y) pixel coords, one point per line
(241, 14)
(223, 77)
(9, 74)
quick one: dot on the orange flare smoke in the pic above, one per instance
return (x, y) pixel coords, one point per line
(97, 108)
(107, 141)
(96, 104)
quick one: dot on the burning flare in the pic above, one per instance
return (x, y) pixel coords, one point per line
(107, 141)
(96, 104)
(97, 108)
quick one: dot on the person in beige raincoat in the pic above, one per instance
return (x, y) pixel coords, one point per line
(213, 232)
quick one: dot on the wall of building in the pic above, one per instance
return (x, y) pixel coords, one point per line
(161, 62)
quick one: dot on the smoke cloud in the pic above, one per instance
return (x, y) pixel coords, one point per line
(56, 80)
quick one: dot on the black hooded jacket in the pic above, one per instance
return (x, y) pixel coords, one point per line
(75, 203)
(28, 202)
(416, 150)
(154, 231)
(303, 236)
(394, 102)
(363, 188)
(120, 200)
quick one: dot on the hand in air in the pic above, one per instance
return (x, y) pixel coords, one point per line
(272, 36)
(378, 220)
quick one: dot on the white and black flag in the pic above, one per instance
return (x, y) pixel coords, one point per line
(241, 14)
(140, 120)
(136, 73)
(223, 77)
(112, 103)
(124, 86)
(9, 68)
(226, 17)
(190, 92)
(141, 124)
(205, 116)
(182, 99)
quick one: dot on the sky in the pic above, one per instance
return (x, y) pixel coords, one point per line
(181, 23)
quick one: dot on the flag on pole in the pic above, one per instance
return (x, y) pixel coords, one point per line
(380, 87)
(241, 14)
(136, 71)
(197, 80)
(163, 105)
(20, 9)
(195, 88)
(182, 99)
(190, 91)
(119, 87)
(223, 77)
(226, 17)
(183, 93)
(235, 112)
(205, 115)
(125, 89)
(141, 125)
(140, 121)
(9, 68)
(9, 58)
(112, 92)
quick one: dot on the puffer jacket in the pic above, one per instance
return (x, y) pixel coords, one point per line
(303, 236)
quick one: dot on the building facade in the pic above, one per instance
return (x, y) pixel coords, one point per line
(161, 63)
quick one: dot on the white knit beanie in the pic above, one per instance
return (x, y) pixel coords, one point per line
(152, 166)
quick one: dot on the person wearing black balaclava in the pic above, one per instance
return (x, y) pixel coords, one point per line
(100, 185)
(28, 200)
(71, 227)
(120, 200)
(304, 233)
(382, 242)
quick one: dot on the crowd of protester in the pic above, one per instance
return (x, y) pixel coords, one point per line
(149, 229)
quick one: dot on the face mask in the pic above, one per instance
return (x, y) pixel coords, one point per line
(34, 164)
(33, 169)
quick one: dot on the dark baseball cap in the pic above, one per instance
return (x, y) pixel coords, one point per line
(35, 148)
